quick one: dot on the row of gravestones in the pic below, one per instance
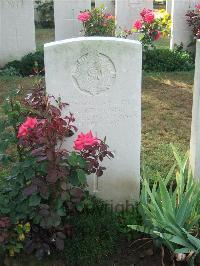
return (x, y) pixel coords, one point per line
(17, 30)
(66, 12)
(101, 79)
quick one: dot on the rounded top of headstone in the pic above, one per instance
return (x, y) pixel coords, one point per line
(96, 38)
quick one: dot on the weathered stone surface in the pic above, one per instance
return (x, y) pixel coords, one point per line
(169, 6)
(195, 129)
(101, 80)
(65, 17)
(17, 29)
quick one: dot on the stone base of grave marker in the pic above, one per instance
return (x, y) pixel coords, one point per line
(101, 80)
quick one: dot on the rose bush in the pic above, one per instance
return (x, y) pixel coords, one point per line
(152, 26)
(193, 20)
(97, 22)
(46, 181)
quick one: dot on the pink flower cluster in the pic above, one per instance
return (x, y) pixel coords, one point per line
(24, 128)
(85, 140)
(147, 17)
(84, 16)
(198, 6)
(108, 16)
(147, 20)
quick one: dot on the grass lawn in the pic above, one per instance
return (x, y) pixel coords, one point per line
(166, 118)
(44, 36)
(163, 42)
(166, 114)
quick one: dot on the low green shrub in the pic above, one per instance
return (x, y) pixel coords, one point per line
(158, 60)
(10, 71)
(127, 217)
(96, 236)
(45, 13)
(28, 65)
(161, 60)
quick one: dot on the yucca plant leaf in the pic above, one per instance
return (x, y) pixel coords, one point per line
(169, 175)
(141, 229)
(195, 241)
(166, 199)
(185, 207)
(182, 250)
(154, 203)
(182, 242)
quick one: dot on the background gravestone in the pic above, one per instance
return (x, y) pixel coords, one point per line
(169, 6)
(109, 5)
(17, 29)
(65, 17)
(180, 31)
(195, 129)
(128, 11)
(101, 80)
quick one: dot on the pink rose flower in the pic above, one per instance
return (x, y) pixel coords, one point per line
(84, 16)
(30, 123)
(137, 25)
(22, 132)
(109, 16)
(149, 17)
(84, 140)
(198, 6)
(145, 11)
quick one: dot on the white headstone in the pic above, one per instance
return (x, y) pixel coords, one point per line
(195, 129)
(128, 11)
(180, 31)
(17, 29)
(109, 5)
(169, 6)
(101, 80)
(65, 17)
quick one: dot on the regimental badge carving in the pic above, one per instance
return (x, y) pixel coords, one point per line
(94, 73)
